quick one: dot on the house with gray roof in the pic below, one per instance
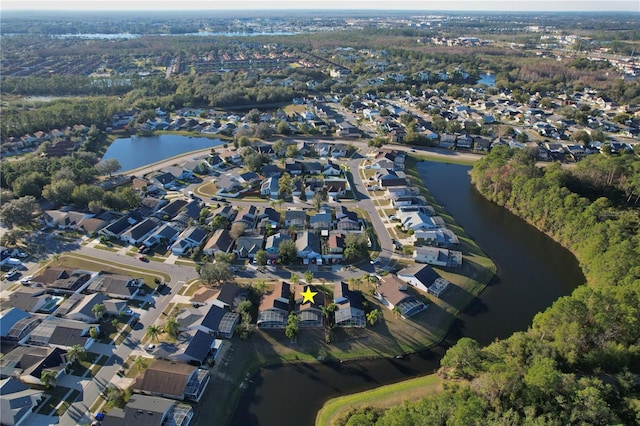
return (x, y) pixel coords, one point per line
(139, 232)
(248, 245)
(349, 308)
(425, 278)
(62, 333)
(118, 227)
(172, 209)
(116, 286)
(191, 237)
(274, 307)
(308, 245)
(26, 363)
(17, 402)
(295, 218)
(321, 221)
(28, 299)
(196, 348)
(216, 321)
(273, 243)
(143, 410)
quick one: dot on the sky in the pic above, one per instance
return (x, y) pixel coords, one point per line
(427, 5)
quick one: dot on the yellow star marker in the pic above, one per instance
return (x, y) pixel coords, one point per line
(308, 295)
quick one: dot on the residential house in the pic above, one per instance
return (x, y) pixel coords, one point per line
(8, 319)
(179, 173)
(141, 231)
(271, 171)
(322, 149)
(17, 402)
(230, 296)
(62, 333)
(310, 311)
(331, 169)
(349, 311)
(339, 150)
(149, 411)
(63, 219)
(116, 228)
(273, 242)
(294, 168)
(391, 178)
(321, 221)
(313, 167)
(195, 348)
(216, 321)
(83, 308)
(248, 178)
(348, 130)
(425, 278)
(438, 256)
(419, 221)
(150, 205)
(308, 245)
(165, 234)
(336, 187)
(336, 246)
(295, 218)
(274, 308)
(248, 215)
(172, 209)
(268, 219)
(220, 241)
(408, 200)
(248, 245)
(116, 286)
(228, 184)
(27, 363)
(391, 292)
(60, 280)
(270, 187)
(441, 237)
(30, 299)
(191, 237)
(163, 180)
(173, 380)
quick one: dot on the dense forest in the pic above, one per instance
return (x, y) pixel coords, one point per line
(579, 362)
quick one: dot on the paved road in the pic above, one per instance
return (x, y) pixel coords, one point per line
(78, 412)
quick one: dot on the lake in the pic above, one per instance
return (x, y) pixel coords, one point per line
(532, 272)
(138, 151)
(488, 79)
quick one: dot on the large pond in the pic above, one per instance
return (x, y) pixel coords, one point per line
(138, 151)
(488, 79)
(533, 271)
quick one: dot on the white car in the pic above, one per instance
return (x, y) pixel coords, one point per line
(150, 347)
(128, 312)
(27, 279)
(374, 261)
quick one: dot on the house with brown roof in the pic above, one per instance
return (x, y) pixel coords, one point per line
(174, 380)
(27, 363)
(220, 241)
(64, 280)
(391, 292)
(274, 308)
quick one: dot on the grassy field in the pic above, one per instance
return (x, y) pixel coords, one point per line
(77, 261)
(382, 397)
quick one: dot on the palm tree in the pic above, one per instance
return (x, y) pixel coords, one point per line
(139, 364)
(56, 257)
(396, 311)
(152, 332)
(48, 378)
(308, 277)
(172, 327)
(76, 353)
(374, 316)
(295, 279)
(98, 310)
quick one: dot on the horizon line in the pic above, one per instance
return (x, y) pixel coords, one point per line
(336, 9)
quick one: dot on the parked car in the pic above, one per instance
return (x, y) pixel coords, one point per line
(142, 249)
(12, 274)
(13, 261)
(26, 280)
(374, 261)
(143, 259)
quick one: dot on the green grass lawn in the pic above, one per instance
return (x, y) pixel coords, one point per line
(382, 397)
(77, 261)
